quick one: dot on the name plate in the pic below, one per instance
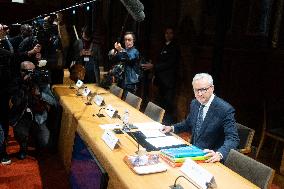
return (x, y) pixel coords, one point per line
(110, 111)
(99, 100)
(110, 139)
(79, 83)
(198, 175)
(86, 91)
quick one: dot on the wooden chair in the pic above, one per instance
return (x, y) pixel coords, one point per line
(246, 135)
(274, 133)
(154, 112)
(117, 91)
(256, 172)
(133, 100)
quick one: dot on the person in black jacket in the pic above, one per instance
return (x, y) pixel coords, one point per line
(9, 73)
(25, 31)
(6, 53)
(128, 59)
(165, 71)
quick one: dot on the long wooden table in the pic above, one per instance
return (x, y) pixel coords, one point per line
(81, 118)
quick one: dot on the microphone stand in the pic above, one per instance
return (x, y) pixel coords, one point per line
(178, 186)
(78, 90)
(136, 140)
(209, 185)
(89, 101)
(99, 113)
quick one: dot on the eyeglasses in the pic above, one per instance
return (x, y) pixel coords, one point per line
(201, 90)
(128, 39)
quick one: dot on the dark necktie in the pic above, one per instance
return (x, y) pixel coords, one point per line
(199, 120)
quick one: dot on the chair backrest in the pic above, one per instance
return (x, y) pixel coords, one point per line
(133, 100)
(246, 135)
(154, 111)
(117, 91)
(256, 172)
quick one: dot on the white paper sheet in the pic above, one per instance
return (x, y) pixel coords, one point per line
(148, 125)
(161, 142)
(152, 133)
(111, 126)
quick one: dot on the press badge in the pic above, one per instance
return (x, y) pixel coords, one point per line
(86, 59)
(164, 52)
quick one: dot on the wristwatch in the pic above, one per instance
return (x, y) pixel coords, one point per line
(219, 153)
(173, 128)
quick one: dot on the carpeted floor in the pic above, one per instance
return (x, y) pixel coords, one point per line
(37, 171)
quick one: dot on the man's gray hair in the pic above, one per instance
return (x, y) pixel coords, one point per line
(206, 76)
(25, 63)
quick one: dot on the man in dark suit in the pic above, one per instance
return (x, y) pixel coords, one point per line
(211, 121)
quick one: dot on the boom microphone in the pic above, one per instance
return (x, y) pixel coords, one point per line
(135, 9)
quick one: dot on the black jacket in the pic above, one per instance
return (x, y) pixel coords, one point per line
(166, 67)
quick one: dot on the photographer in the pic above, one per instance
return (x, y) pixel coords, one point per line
(87, 53)
(31, 48)
(6, 78)
(128, 60)
(30, 107)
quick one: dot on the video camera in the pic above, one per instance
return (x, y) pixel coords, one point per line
(38, 76)
(5, 28)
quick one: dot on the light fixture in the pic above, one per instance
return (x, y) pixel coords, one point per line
(18, 1)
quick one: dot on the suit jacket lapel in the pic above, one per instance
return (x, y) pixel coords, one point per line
(194, 114)
(208, 117)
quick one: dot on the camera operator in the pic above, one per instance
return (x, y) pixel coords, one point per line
(9, 72)
(48, 36)
(30, 107)
(31, 48)
(6, 78)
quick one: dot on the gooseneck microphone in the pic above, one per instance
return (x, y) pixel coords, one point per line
(99, 114)
(135, 9)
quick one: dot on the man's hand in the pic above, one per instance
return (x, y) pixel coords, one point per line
(118, 47)
(3, 32)
(35, 50)
(213, 156)
(147, 66)
(166, 129)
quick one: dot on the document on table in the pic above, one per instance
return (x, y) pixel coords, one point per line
(111, 126)
(160, 142)
(149, 125)
(152, 133)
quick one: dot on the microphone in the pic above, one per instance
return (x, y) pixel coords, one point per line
(90, 99)
(99, 114)
(135, 9)
(178, 186)
(136, 140)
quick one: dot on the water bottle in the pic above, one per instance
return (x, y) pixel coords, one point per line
(125, 118)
